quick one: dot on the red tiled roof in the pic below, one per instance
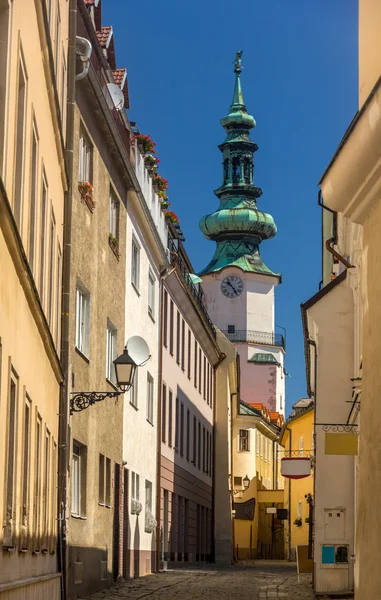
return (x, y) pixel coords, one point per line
(89, 2)
(119, 76)
(103, 35)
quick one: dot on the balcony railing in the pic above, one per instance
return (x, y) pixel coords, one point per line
(196, 295)
(257, 337)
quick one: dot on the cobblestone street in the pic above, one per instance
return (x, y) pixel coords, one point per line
(247, 581)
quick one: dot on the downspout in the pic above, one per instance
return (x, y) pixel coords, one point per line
(338, 256)
(159, 417)
(84, 57)
(334, 231)
(63, 421)
(289, 501)
(212, 533)
(232, 466)
(311, 342)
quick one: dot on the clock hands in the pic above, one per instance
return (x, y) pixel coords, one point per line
(232, 287)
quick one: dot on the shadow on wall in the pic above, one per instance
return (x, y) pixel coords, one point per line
(87, 570)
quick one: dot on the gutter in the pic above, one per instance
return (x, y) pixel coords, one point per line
(84, 57)
(289, 502)
(64, 419)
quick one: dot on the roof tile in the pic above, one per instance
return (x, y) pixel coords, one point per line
(103, 35)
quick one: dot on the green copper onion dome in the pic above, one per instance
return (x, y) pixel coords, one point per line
(238, 226)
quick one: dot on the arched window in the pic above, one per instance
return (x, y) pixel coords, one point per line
(226, 170)
(236, 169)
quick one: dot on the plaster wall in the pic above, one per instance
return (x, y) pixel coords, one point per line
(98, 429)
(136, 427)
(369, 47)
(331, 320)
(253, 310)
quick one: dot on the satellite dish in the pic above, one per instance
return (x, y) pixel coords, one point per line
(117, 95)
(138, 350)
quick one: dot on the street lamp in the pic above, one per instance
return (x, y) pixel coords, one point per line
(246, 482)
(125, 368)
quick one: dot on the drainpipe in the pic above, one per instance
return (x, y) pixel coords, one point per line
(334, 213)
(313, 343)
(84, 56)
(232, 466)
(63, 421)
(289, 501)
(338, 256)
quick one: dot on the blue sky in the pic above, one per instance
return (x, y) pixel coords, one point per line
(300, 84)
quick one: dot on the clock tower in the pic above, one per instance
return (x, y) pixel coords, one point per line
(238, 286)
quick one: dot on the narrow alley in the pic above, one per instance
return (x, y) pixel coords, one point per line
(254, 580)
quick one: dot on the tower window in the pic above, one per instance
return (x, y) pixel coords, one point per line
(236, 169)
(226, 170)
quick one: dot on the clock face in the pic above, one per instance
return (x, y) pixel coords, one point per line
(232, 286)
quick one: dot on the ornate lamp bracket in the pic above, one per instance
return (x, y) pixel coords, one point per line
(82, 400)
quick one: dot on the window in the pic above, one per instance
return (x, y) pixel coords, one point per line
(85, 158)
(208, 384)
(111, 352)
(10, 492)
(171, 315)
(149, 398)
(238, 482)
(51, 268)
(210, 454)
(204, 388)
(188, 434)
(44, 202)
(148, 495)
(135, 264)
(165, 320)
(59, 286)
(78, 484)
(82, 320)
(151, 293)
(134, 390)
(211, 387)
(301, 445)
(104, 481)
(243, 440)
(178, 338)
(37, 481)
(231, 328)
(164, 414)
(199, 370)
(20, 142)
(4, 36)
(207, 452)
(199, 445)
(261, 444)
(135, 492)
(170, 424)
(203, 449)
(194, 440)
(114, 216)
(300, 509)
(177, 418)
(33, 199)
(58, 39)
(189, 352)
(63, 92)
(45, 500)
(182, 429)
(195, 363)
(26, 463)
(183, 344)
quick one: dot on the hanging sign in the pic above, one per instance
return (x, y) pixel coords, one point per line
(295, 467)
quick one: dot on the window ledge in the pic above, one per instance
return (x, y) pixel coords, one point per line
(112, 384)
(151, 316)
(80, 517)
(135, 288)
(148, 421)
(104, 505)
(85, 358)
(134, 406)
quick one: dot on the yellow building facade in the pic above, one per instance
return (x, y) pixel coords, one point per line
(33, 39)
(256, 482)
(297, 439)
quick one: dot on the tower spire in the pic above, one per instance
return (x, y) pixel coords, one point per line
(238, 226)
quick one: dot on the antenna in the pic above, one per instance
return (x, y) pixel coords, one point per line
(117, 95)
(138, 350)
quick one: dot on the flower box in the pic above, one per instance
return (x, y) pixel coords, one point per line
(86, 190)
(160, 183)
(298, 522)
(144, 143)
(114, 245)
(165, 204)
(171, 217)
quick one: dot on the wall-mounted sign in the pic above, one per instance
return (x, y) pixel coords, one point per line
(295, 467)
(271, 510)
(341, 444)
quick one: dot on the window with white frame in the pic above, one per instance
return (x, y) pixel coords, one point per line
(135, 263)
(151, 293)
(104, 480)
(148, 495)
(58, 40)
(301, 444)
(82, 320)
(135, 484)
(243, 440)
(300, 509)
(20, 142)
(257, 442)
(114, 216)
(111, 352)
(150, 398)
(85, 158)
(134, 390)
(78, 480)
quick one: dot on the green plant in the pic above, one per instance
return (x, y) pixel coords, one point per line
(298, 522)
(145, 141)
(160, 182)
(113, 239)
(171, 216)
(307, 519)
